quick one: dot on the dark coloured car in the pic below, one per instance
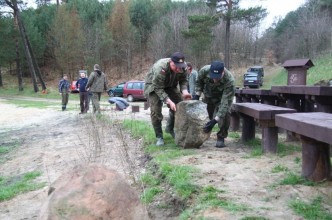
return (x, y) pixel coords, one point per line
(73, 88)
(256, 69)
(116, 90)
(134, 90)
(252, 80)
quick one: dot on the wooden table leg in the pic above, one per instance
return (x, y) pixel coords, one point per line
(248, 128)
(235, 121)
(316, 164)
(269, 139)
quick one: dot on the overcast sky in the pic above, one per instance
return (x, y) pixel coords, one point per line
(275, 8)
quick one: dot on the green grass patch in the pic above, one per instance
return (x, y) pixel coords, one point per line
(180, 177)
(150, 193)
(293, 179)
(254, 218)
(279, 168)
(148, 179)
(255, 147)
(234, 134)
(31, 104)
(140, 129)
(312, 210)
(287, 149)
(297, 160)
(6, 148)
(321, 71)
(12, 186)
(210, 197)
(12, 90)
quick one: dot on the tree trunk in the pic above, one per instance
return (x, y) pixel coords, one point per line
(13, 5)
(18, 67)
(34, 69)
(1, 84)
(227, 41)
(37, 70)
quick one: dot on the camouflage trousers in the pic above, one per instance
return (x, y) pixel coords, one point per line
(223, 123)
(95, 101)
(156, 110)
(64, 98)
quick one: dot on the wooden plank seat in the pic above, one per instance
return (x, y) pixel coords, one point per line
(265, 115)
(315, 131)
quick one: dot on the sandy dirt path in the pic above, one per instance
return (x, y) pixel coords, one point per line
(52, 141)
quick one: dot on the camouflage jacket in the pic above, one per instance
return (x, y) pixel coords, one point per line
(160, 77)
(96, 82)
(220, 93)
(64, 85)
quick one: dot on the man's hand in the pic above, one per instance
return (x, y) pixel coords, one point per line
(208, 127)
(187, 97)
(171, 104)
(196, 97)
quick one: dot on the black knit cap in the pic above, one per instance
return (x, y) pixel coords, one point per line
(178, 59)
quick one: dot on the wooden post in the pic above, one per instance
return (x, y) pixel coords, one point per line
(248, 128)
(135, 108)
(235, 121)
(269, 139)
(316, 164)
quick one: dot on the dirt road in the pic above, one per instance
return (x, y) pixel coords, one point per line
(52, 141)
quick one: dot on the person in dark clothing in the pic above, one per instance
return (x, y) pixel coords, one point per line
(217, 85)
(166, 82)
(84, 94)
(97, 84)
(64, 87)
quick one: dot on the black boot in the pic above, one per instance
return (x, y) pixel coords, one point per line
(159, 135)
(220, 143)
(63, 108)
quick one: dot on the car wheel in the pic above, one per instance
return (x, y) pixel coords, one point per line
(130, 98)
(111, 93)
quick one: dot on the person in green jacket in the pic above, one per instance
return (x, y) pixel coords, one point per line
(97, 84)
(166, 82)
(64, 89)
(217, 84)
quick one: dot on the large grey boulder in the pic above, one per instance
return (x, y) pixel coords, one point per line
(92, 192)
(190, 118)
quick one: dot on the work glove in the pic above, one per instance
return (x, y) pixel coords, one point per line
(196, 97)
(208, 127)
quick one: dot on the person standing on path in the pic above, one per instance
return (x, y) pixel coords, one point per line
(97, 84)
(192, 78)
(161, 86)
(64, 87)
(84, 94)
(217, 84)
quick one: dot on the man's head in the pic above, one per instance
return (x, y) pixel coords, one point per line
(82, 74)
(177, 62)
(96, 67)
(65, 76)
(189, 67)
(216, 70)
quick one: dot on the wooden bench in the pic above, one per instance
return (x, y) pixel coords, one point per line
(265, 114)
(315, 131)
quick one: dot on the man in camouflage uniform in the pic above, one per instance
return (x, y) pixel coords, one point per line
(64, 87)
(217, 84)
(97, 84)
(161, 86)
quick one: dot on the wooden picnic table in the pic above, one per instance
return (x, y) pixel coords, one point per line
(306, 98)
(315, 130)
